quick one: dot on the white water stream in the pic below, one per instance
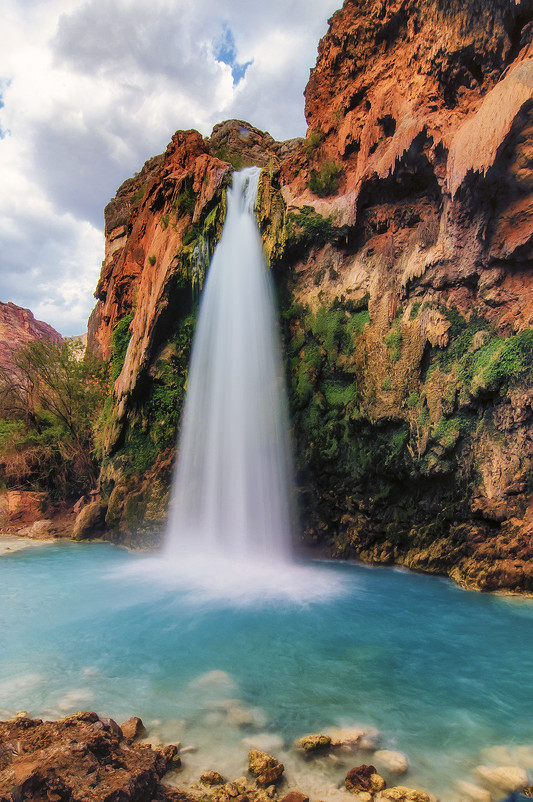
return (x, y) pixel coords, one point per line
(231, 494)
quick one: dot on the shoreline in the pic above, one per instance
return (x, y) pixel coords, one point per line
(89, 751)
(11, 542)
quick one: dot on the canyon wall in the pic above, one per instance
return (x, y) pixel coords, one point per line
(400, 234)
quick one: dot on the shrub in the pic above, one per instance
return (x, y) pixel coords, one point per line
(151, 259)
(326, 180)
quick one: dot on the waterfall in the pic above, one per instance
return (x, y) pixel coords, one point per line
(231, 493)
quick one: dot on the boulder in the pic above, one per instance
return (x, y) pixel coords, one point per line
(133, 728)
(364, 778)
(212, 778)
(259, 762)
(313, 743)
(90, 522)
(503, 778)
(395, 762)
(295, 796)
(270, 776)
(78, 757)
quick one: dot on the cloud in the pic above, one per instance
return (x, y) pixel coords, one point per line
(90, 90)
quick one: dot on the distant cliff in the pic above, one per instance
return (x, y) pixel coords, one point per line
(400, 233)
(17, 327)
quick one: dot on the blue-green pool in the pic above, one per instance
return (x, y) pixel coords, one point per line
(443, 674)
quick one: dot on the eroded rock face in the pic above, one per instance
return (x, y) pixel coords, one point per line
(400, 233)
(81, 757)
(18, 326)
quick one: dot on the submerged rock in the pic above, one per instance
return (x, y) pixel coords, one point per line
(504, 778)
(313, 743)
(473, 793)
(400, 793)
(395, 762)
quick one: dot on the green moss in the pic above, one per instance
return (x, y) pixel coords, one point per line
(306, 229)
(413, 314)
(358, 321)
(393, 342)
(413, 400)
(119, 344)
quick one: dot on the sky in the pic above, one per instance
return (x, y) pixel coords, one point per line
(90, 90)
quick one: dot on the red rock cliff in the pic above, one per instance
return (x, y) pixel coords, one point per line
(401, 234)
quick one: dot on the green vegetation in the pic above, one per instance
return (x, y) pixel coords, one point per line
(152, 259)
(413, 314)
(307, 229)
(185, 200)
(50, 398)
(153, 422)
(326, 180)
(393, 342)
(312, 143)
(120, 339)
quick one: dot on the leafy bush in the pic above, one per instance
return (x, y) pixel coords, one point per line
(326, 180)
(50, 398)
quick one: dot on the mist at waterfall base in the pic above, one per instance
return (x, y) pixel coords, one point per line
(231, 520)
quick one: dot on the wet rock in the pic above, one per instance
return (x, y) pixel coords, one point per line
(212, 778)
(78, 757)
(259, 762)
(473, 793)
(295, 796)
(133, 728)
(348, 738)
(395, 762)
(503, 778)
(313, 743)
(264, 742)
(364, 778)
(270, 776)
(400, 793)
(90, 522)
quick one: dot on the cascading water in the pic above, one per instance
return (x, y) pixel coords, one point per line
(231, 494)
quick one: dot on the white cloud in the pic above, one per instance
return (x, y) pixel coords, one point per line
(92, 89)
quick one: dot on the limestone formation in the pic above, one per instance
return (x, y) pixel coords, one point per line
(400, 233)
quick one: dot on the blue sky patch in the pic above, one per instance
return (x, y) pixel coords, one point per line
(226, 52)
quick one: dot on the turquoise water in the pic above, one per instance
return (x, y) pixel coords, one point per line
(443, 674)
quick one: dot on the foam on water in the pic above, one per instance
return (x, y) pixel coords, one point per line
(204, 580)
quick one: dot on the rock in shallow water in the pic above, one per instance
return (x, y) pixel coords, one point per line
(313, 743)
(259, 762)
(78, 757)
(503, 778)
(395, 762)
